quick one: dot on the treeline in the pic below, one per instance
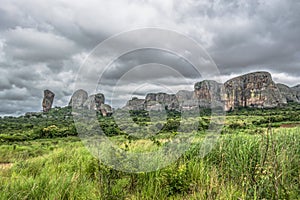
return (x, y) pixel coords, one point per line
(58, 122)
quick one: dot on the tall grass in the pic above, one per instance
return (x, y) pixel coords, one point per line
(240, 166)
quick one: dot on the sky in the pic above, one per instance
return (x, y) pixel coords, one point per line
(46, 45)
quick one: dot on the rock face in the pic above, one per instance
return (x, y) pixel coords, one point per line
(184, 95)
(296, 89)
(47, 100)
(252, 90)
(94, 102)
(78, 99)
(209, 93)
(187, 100)
(106, 110)
(288, 93)
(154, 101)
(135, 104)
(161, 101)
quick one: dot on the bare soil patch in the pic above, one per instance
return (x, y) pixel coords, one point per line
(5, 165)
(289, 125)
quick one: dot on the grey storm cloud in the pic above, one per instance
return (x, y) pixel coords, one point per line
(141, 57)
(44, 43)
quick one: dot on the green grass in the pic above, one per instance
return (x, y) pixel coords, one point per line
(41, 158)
(239, 166)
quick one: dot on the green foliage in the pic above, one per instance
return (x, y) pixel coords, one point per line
(255, 158)
(239, 166)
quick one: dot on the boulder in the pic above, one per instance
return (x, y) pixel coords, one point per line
(252, 90)
(78, 99)
(47, 100)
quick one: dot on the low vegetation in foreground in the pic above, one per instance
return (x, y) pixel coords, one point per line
(256, 157)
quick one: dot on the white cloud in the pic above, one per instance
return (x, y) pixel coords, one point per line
(285, 78)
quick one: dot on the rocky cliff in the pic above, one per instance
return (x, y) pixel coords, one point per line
(187, 100)
(161, 101)
(209, 93)
(252, 90)
(47, 100)
(296, 89)
(154, 101)
(135, 104)
(290, 94)
(184, 95)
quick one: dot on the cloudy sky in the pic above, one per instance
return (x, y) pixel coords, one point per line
(43, 44)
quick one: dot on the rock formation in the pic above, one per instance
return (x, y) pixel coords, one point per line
(47, 100)
(184, 95)
(209, 93)
(252, 90)
(135, 104)
(154, 101)
(288, 93)
(249, 90)
(296, 89)
(106, 110)
(78, 99)
(94, 101)
(187, 100)
(161, 101)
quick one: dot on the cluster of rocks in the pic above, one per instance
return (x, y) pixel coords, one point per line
(250, 90)
(81, 100)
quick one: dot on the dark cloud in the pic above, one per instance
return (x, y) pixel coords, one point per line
(265, 38)
(142, 57)
(44, 43)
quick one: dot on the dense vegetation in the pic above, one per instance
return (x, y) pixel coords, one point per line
(256, 157)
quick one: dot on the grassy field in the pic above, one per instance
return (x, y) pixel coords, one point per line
(256, 157)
